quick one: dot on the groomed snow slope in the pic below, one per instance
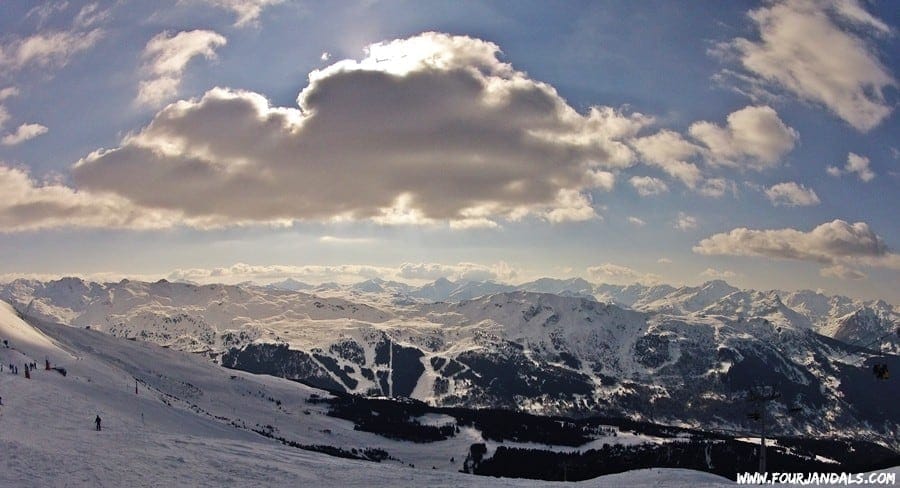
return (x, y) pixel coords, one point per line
(177, 431)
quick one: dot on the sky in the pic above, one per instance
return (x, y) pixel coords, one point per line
(650, 142)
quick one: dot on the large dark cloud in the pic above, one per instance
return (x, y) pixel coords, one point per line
(429, 128)
(30, 205)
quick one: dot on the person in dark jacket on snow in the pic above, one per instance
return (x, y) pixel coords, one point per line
(97, 422)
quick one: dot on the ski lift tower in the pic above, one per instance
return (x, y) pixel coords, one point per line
(761, 396)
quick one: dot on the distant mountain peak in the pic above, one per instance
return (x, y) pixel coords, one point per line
(720, 285)
(290, 284)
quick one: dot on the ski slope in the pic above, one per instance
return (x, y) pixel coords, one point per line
(185, 425)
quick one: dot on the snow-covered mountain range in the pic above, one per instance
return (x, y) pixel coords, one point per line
(174, 419)
(683, 356)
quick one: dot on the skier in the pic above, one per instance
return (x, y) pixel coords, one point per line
(97, 422)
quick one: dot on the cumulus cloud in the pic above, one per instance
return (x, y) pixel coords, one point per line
(636, 222)
(462, 271)
(347, 273)
(23, 133)
(614, 273)
(165, 58)
(715, 274)
(246, 11)
(669, 151)
(434, 127)
(570, 206)
(832, 243)
(236, 273)
(816, 50)
(855, 164)
(241, 272)
(753, 137)
(791, 194)
(98, 277)
(685, 222)
(664, 261)
(859, 165)
(29, 205)
(826, 243)
(648, 185)
(602, 180)
(46, 49)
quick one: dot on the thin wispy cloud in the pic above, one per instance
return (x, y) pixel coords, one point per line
(817, 51)
(685, 222)
(48, 50)
(648, 185)
(246, 12)
(166, 57)
(636, 222)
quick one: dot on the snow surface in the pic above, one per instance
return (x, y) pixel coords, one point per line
(184, 426)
